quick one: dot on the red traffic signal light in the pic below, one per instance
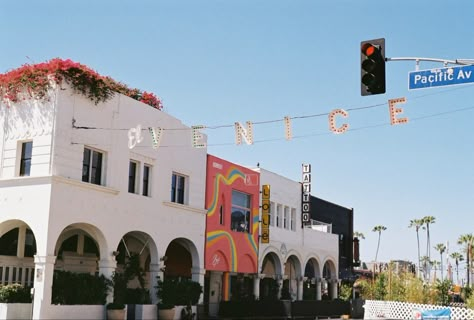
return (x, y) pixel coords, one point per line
(372, 66)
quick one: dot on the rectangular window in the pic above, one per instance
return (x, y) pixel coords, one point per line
(286, 218)
(221, 215)
(25, 161)
(132, 177)
(146, 180)
(240, 216)
(272, 213)
(177, 188)
(293, 219)
(92, 166)
(278, 216)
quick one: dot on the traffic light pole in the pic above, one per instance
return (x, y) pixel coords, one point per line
(462, 62)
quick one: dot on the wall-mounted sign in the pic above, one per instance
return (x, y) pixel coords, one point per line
(306, 195)
(265, 213)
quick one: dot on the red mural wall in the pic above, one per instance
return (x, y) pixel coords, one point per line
(232, 226)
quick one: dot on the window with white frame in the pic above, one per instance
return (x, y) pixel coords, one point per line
(278, 216)
(92, 165)
(293, 219)
(146, 180)
(25, 158)
(133, 168)
(240, 216)
(178, 188)
(272, 213)
(286, 217)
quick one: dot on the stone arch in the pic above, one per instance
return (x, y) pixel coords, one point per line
(271, 272)
(17, 249)
(312, 268)
(79, 248)
(182, 259)
(138, 247)
(293, 274)
(329, 270)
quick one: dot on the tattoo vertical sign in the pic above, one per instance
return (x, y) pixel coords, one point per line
(306, 195)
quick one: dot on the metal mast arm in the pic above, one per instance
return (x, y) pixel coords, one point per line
(444, 61)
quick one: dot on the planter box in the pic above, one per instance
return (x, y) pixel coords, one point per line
(15, 310)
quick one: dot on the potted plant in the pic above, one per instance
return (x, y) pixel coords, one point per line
(166, 293)
(116, 309)
(173, 292)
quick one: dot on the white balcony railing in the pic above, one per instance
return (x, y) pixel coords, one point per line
(320, 226)
(16, 270)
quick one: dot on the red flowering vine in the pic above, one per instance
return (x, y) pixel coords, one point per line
(35, 80)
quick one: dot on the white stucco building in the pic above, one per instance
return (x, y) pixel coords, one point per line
(68, 176)
(296, 255)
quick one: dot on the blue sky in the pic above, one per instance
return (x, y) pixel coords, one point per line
(217, 62)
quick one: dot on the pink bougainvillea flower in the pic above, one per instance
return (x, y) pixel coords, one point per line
(35, 81)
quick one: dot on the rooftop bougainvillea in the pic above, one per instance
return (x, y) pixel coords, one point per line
(35, 81)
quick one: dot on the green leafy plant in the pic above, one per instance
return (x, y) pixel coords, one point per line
(71, 288)
(345, 292)
(15, 293)
(174, 292)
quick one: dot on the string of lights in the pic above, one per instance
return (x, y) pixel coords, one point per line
(428, 116)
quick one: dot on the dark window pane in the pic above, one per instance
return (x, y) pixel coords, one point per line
(96, 167)
(173, 188)
(25, 161)
(90, 246)
(86, 162)
(146, 180)
(180, 189)
(9, 243)
(132, 175)
(30, 244)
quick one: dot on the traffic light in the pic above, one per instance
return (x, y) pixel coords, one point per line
(372, 67)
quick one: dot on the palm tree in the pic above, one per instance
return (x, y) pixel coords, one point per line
(467, 239)
(457, 257)
(441, 248)
(378, 229)
(435, 265)
(356, 249)
(427, 220)
(425, 261)
(358, 234)
(417, 224)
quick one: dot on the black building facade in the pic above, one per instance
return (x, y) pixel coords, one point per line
(342, 221)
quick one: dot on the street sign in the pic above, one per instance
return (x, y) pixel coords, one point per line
(440, 77)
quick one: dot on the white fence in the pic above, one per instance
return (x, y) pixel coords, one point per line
(17, 273)
(404, 310)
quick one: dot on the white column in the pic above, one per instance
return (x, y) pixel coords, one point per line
(20, 249)
(107, 268)
(154, 273)
(215, 292)
(280, 285)
(299, 292)
(256, 286)
(43, 282)
(198, 276)
(333, 289)
(80, 244)
(319, 284)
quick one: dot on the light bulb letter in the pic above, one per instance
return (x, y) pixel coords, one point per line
(395, 111)
(241, 132)
(198, 136)
(332, 121)
(134, 136)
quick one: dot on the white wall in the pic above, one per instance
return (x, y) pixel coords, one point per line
(53, 197)
(304, 243)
